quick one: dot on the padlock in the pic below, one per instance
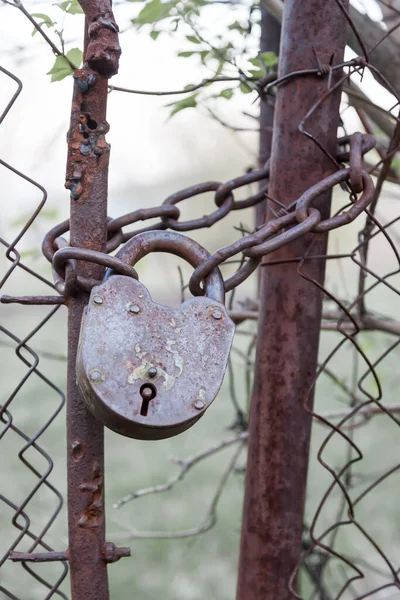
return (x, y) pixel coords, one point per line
(146, 370)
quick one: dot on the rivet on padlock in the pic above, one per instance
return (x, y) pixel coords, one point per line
(146, 370)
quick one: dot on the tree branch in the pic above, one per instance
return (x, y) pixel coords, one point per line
(186, 464)
(331, 321)
(186, 90)
(207, 523)
(378, 115)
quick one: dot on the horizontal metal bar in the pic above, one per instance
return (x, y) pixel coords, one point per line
(111, 553)
(38, 556)
(39, 300)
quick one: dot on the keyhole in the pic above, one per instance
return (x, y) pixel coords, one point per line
(148, 392)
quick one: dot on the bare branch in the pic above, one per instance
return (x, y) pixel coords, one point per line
(186, 464)
(368, 322)
(18, 4)
(238, 316)
(187, 90)
(366, 412)
(275, 7)
(207, 523)
(217, 118)
(376, 113)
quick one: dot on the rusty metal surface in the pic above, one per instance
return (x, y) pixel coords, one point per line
(63, 255)
(290, 314)
(111, 553)
(288, 303)
(129, 343)
(102, 49)
(64, 259)
(269, 42)
(86, 178)
(179, 245)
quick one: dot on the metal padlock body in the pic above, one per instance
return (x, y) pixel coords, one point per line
(129, 342)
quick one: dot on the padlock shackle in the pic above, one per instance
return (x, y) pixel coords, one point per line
(173, 243)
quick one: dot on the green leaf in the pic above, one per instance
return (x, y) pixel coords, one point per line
(255, 61)
(227, 93)
(185, 54)
(256, 74)
(153, 34)
(154, 11)
(45, 20)
(71, 7)
(263, 63)
(61, 68)
(193, 39)
(75, 56)
(220, 67)
(395, 164)
(269, 59)
(188, 102)
(245, 88)
(204, 54)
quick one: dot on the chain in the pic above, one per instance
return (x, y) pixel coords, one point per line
(291, 222)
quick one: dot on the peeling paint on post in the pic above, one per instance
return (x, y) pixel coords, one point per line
(290, 313)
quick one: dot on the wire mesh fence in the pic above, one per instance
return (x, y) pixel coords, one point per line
(24, 523)
(350, 541)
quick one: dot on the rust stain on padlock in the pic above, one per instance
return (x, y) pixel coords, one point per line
(146, 370)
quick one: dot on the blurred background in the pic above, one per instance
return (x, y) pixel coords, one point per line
(151, 157)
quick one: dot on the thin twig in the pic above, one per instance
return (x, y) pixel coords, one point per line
(228, 125)
(186, 464)
(334, 321)
(182, 284)
(187, 90)
(240, 422)
(207, 523)
(18, 4)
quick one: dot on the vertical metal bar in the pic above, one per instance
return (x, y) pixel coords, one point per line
(269, 42)
(87, 178)
(85, 440)
(290, 314)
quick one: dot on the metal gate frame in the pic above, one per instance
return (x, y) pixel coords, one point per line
(304, 126)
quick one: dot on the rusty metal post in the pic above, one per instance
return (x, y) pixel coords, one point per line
(269, 42)
(85, 440)
(87, 176)
(290, 313)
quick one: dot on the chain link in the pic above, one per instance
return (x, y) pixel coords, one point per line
(292, 222)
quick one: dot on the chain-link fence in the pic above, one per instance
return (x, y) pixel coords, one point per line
(349, 536)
